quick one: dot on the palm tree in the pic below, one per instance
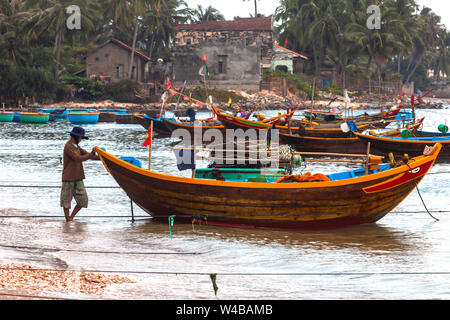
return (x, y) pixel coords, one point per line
(201, 15)
(426, 40)
(158, 27)
(13, 38)
(256, 7)
(50, 16)
(126, 14)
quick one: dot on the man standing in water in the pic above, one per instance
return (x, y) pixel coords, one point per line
(73, 173)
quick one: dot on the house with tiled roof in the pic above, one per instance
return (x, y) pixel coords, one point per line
(236, 52)
(111, 62)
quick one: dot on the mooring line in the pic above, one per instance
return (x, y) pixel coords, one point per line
(420, 195)
(240, 274)
(102, 252)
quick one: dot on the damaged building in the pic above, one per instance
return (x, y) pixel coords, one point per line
(236, 52)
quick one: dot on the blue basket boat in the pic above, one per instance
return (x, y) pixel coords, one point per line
(6, 116)
(118, 111)
(80, 117)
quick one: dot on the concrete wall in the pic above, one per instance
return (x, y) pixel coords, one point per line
(104, 61)
(240, 62)
(264, 39)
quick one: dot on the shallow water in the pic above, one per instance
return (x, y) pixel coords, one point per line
(403, 256)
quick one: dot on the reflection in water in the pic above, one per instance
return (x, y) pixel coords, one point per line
(406, 241)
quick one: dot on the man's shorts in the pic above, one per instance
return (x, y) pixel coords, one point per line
(72, 190)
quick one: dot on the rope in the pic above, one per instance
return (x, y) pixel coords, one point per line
(101, 252)
(31, 296)
(239, 274)
(420, 196)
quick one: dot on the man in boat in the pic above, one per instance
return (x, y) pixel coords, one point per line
(73, 173)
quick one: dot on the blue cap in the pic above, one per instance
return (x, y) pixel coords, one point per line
(79, 132)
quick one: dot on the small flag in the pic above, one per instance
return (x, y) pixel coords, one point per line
(199, 103)
(173, 92)
(186, 98)
(204, 58)
(169, 84)
(148, 140)
(229, 102)
(286, 42)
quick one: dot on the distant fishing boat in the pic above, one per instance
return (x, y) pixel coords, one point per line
(80, 117)
(349, 145)
(34, 117)
(232, 122)
(290, 202)
(6, 116)
(158, 124)
(202, 126)
(400, 146)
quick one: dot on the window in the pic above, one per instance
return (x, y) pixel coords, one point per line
(118, 71)
(188, 41)
(222, 64)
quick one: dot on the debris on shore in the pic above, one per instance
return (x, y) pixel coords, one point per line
(25, 278)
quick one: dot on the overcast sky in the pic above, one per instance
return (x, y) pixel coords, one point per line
(232, 8)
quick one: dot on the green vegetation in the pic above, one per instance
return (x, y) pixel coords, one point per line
(334, 33)
(39, 54)
(221, 96)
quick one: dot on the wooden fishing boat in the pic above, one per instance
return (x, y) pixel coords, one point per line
(304, 128)
(337, 145)
(320, 132)
(201, 126)
(341, 200)
(322, 115)
(6, 116)
(158, 124)
(80, 117)
(233, 122)
(400, 146)
(34, 117)
(379, 120)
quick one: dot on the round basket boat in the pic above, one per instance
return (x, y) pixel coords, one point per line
(83, 117)
(34, 117)
(6, 116)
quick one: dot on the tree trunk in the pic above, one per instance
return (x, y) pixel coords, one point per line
(256, 9)
(316, 61)
(368, 73)
(133, 49)
(419, 61)
(58, 41)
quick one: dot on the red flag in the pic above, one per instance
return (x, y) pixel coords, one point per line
(173, 92)
(186, 98)
(204, 58)
(169, 84)
(413, 100)
(199, 103)
(148, 140)
(286, 42)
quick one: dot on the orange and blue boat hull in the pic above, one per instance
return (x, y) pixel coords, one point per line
(348, 202)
